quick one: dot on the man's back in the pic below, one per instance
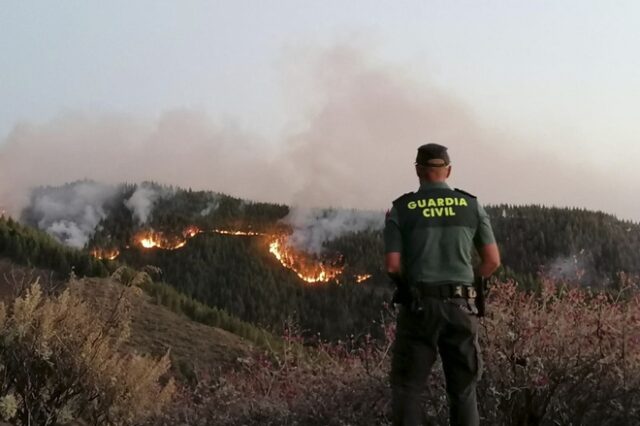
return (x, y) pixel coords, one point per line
(436, 229)
(429, 240)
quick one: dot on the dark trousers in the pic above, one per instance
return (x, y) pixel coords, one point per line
(448, 328)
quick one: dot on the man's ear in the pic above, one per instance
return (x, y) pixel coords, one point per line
(448, 171)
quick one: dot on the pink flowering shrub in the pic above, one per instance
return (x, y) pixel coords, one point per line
(327, 384)
(559, 356)
(566, 355)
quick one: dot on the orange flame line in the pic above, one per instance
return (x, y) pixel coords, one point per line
(288, 258)
(289, 261)
(105, 254)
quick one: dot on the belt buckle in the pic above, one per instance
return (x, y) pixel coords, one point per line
(457, 291)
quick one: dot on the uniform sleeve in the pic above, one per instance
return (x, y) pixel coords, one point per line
(392, 234)
(484, 233)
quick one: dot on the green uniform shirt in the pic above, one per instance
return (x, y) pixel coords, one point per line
(435, 229)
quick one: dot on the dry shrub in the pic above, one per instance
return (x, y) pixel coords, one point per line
(560, 356)
(565, 355)
(330, 384)
(60, 360)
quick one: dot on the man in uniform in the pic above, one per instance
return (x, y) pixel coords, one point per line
(429, 237)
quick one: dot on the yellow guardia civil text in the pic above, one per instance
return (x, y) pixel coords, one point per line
(438, 207)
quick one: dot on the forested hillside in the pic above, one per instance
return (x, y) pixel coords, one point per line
(239, 275)
(576, 244)
(31, 247)
(220, 250)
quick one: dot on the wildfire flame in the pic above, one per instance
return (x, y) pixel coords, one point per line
(363, 277)
(307, 268)
(152, 239)
(238, 233)
(105, 254)
(191, 231)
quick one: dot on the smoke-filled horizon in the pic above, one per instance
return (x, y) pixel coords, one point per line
(357, 126)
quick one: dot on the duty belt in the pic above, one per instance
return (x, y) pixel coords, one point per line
(446, 291)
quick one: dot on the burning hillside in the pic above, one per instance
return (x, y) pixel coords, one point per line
(101, 216)
(309, 268)
(105, 254)
(152, 239)
(306, 267)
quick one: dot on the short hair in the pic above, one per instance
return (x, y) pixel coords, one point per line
(422, 169)
(433, 155)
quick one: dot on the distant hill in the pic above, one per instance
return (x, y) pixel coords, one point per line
(220, 250)
(569, 244)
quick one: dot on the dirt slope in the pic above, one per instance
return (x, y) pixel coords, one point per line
(156, 330)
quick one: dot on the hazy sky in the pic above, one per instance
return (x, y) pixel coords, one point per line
(554, 82)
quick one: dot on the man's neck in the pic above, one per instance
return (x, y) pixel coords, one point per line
(430, 184)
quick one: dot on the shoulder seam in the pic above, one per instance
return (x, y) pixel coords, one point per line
(465, 192)
(401, 197)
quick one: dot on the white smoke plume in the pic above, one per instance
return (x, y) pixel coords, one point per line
(212, 206)
(577, 267)
(313, 227)
(142, 201)
(72, 212)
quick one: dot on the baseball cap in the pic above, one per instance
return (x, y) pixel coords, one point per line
(433, 155)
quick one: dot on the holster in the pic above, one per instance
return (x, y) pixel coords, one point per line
(406, 295)
(480, 284)
(401, 296)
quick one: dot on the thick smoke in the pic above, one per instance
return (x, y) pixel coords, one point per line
(351, 143)
(183, 148)
(313, 227)
(71, 212)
